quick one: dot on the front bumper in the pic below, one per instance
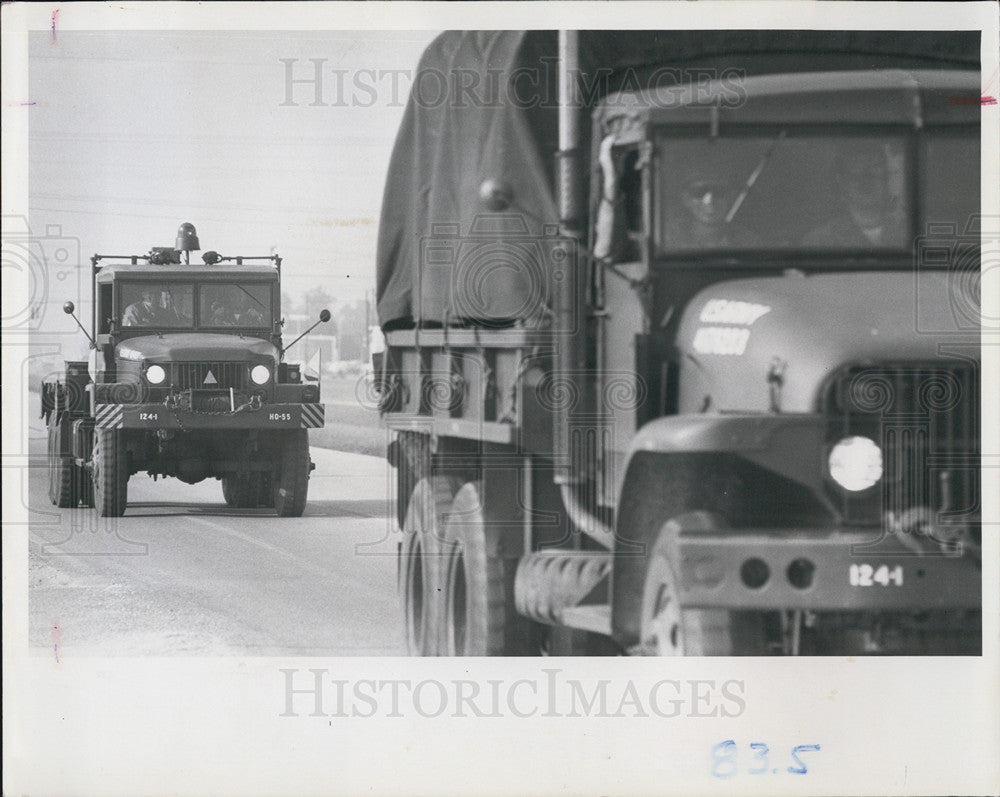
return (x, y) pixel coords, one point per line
(833, 570)
(162, 416)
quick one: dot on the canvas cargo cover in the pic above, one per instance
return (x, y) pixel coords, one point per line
(448, 145)
(483, 108)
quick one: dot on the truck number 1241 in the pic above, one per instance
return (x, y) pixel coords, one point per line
(864, 575)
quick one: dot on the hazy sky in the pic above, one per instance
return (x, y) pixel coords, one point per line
(132, 133)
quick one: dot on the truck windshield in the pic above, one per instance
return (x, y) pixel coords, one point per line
(234, 305)
(157, 304)
(781, 189)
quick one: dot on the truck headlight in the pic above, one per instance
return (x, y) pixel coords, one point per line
(856, 463)
(260, 374)
(155, 374)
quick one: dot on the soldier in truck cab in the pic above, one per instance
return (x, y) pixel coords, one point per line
(170, 314)
(708, 196)
(247, 315)
(142, 313)
(221, 315)
(869, 218)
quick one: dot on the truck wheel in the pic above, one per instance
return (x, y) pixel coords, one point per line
(480, 563)
(669, 630)
(264, 488)
(236, 491)
(420, 565)
(248, 490)
(110, 473)
(86, 486)
(412, 565)
(63, 474)
(293, 475)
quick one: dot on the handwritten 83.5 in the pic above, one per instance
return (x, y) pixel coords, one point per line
(757, 759)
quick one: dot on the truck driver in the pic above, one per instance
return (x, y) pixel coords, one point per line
(868, 219)
(142, 313)
(707, 196)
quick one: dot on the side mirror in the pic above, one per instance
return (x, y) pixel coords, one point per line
(324, 316)
(68, 308)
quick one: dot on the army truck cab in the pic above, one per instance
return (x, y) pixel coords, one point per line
(187, 378)
(793, 284)
(732, 405)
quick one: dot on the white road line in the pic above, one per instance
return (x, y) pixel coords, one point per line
(305, 564)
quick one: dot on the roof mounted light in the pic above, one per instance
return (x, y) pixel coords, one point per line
(164, 256)
(187, 238)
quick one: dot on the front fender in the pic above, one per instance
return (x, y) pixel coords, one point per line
(793, 446)
(746, 469)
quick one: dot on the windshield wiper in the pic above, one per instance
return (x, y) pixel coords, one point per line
(250, 295)
(753, 176)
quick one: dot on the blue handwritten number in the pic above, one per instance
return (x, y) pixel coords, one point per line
(760, 755)
(724, 759)
(802, 748)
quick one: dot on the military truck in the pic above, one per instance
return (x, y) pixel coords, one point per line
(710, 384)
(187, 377)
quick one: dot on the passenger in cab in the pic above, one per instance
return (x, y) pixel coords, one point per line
(869, 217)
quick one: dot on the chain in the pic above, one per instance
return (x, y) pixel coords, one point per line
(175, 402)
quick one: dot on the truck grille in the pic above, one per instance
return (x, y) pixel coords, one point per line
(926, 418)
(208, 376)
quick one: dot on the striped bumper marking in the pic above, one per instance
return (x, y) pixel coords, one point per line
(313, 415)
(109, 416)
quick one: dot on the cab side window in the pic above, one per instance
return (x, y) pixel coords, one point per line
(105, 312)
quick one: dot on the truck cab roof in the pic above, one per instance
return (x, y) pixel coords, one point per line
(873, 97)
(112, 271)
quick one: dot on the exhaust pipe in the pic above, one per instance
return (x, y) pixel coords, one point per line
(569, 330)
(567, 342)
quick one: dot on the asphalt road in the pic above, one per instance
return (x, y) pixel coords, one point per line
(183, 574)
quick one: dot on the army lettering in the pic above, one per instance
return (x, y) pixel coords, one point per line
(724, 311)
(721, 340)
(726, 339)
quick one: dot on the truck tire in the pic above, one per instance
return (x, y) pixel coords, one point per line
(480, 563)
(64, 485)
(667, 629)
(264, 487)
(236, 491)
(229, 488)
(420, 565)
(86, 486)
(248, 490)
(110, 473)
(293, 474)
(412, 570)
